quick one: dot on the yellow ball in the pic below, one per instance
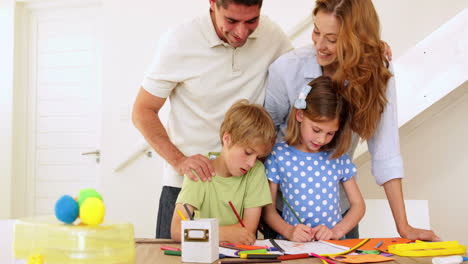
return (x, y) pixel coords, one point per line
(92, 211)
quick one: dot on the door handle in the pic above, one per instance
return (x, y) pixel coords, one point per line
(96, 152)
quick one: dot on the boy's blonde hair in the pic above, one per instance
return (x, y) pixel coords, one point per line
(246, 122)
(323, 103)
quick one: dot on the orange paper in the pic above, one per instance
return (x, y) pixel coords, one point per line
(371, 244)
(368, 258)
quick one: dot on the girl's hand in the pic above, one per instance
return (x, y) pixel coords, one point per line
(300, 233)
(321, 232)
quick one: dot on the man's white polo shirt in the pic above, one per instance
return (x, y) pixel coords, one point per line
(202, 76)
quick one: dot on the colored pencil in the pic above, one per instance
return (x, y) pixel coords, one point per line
(292, 210)
(259, 256)
(172, 252)
(188, 212)
(181, 215)
(249, 261)
(320, 257)
(164, 247)
(379, 244)
(294, 256)
(237, 215)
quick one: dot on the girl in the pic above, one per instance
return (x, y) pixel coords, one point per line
(347, 48)
(310, 165)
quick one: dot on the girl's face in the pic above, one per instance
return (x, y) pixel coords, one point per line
(239, 158)
(325, 36)
(314, 134)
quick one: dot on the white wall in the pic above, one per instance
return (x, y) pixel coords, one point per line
(131, 32)
(433, 146)
(6, 103)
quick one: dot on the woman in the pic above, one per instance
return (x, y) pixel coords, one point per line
(348, 49)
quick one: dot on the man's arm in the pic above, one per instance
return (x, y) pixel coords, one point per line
(145, 117)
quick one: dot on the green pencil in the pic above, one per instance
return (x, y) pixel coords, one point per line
(292, 210)
(172, 253)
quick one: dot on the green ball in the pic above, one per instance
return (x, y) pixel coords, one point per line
(87, 193)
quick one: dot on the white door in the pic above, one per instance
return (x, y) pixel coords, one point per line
(64, 103)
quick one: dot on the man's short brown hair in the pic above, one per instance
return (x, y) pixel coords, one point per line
(225, 3)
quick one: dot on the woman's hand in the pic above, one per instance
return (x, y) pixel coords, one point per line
(387, 50)
(412, 233)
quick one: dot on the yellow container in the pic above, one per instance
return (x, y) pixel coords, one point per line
(58, 243)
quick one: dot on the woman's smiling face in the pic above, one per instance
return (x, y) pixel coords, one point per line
(325, 37)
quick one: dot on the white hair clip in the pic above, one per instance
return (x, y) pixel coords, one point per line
(300, 101)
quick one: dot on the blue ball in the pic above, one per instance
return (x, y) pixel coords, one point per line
(67, 209)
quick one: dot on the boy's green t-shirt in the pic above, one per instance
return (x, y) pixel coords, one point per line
(211, 199)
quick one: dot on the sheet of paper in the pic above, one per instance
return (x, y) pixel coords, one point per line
(317, 247)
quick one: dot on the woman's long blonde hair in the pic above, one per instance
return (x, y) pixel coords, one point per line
(361, 62)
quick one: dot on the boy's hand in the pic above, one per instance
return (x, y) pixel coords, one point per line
(300, 233)
(236, 234)
(321, 232)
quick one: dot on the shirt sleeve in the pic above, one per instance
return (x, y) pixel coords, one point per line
(276, 98)
(193, 193)
(384, 145)
(258, 191)
(161, 77)
(348, 169)
(272, 168)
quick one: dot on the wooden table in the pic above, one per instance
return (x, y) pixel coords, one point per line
(148, 251)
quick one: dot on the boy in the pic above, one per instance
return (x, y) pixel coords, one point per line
(247, 134)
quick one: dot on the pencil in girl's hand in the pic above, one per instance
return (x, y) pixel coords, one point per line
(237, 215)
(292, 210)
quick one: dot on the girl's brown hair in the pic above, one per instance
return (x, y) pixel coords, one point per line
(323, 103)
(361, 62)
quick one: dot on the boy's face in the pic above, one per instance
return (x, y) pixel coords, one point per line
(240, 158)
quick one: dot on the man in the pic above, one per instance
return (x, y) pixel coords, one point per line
(203, 67)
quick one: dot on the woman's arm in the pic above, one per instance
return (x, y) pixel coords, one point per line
(387, 165)
(299, 233)
(394, 193)
(355, 213)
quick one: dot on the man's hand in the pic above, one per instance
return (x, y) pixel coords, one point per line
(300, 233)
(198, 163)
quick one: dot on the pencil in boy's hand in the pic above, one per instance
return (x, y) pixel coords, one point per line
(188, 212)
(237, 215)
(181, 215)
